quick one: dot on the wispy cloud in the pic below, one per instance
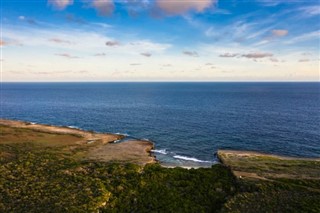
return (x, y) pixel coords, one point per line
(112, 43)
(273, 36)
(273, 3)
(257, 55)
(60, 41)
(304, 60)
(135, 7)
(238, 32)
(274, 60)
(305, 37)
(10, 42)
(28, 20)
(309, 11)
(228, 55)
(100, 54)
(191, 53)
(88, 42)
(74, 19)
(59, 72)
(146, 54)
(67, 55)
(253, 55)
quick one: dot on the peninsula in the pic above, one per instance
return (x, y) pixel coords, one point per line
(94, 146)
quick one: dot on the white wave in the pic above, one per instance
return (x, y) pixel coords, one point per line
(190, 159)
(33, 123)
(161, 151)
(73, 127)
(118, 133)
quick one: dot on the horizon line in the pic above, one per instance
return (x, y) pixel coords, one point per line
(160, 82)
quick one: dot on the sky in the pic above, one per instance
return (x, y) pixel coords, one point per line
(160, 40)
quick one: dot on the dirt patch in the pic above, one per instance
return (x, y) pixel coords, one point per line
(85, 135)
(128, 151)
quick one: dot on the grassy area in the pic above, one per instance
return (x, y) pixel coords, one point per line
(273, 184)
(273, 196)
(11, 135)
(36, 176)
(42, 174)
(269, 166)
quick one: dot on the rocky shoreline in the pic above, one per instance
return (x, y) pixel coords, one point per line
(100, 146)
(47, 168)
(104, 147)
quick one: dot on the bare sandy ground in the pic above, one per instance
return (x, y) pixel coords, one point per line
(128, 151)
(99, 146)
(87, 136)
(244, 154)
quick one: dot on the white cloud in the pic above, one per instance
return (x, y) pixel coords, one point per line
(104, 7)
(279, 32)
(177, 7)
(60, 4)
(257, 55)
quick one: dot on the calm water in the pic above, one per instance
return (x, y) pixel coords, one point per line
(187, 121)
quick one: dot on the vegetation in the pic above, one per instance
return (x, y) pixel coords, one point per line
(273, 184)
(38, 174)
(47, 180)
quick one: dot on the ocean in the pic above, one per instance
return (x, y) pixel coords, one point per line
(188, 122)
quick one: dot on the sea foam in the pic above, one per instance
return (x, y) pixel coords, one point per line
(190, 159)
(161, 151)
(73, 127)
(124, 134)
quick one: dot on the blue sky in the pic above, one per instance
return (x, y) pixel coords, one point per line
(160, 40)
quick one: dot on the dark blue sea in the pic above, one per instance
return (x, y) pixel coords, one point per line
(188, 122)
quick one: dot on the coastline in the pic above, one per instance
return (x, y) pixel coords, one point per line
(99, 146)
(106, 148)
(102, 175)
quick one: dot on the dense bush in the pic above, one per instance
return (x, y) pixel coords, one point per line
(42, 180)
(35, 177)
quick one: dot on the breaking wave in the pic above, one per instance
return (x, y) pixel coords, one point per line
(161, 151)
(190, 159)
